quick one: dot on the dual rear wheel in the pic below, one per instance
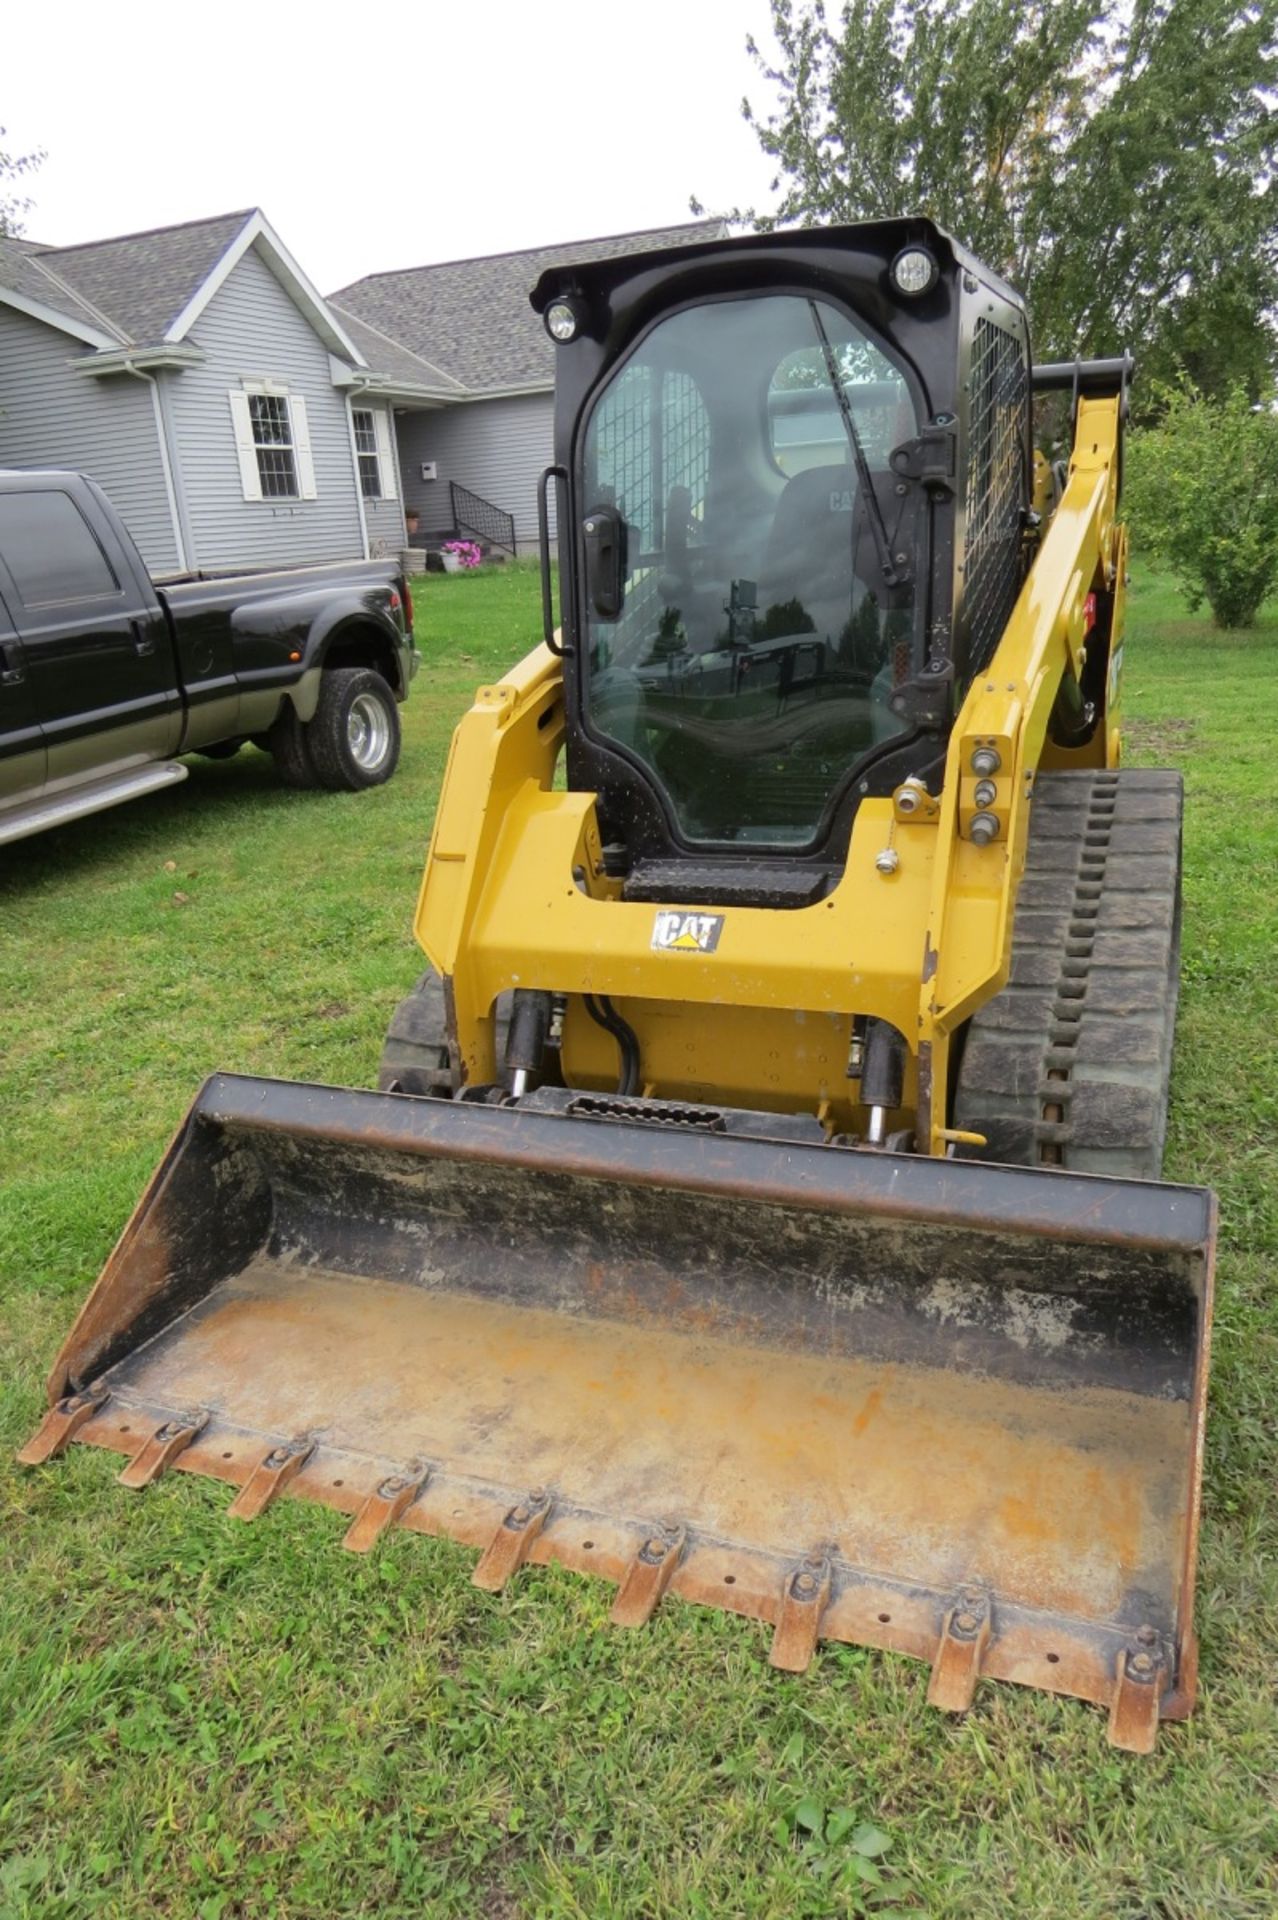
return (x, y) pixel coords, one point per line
(351, 743)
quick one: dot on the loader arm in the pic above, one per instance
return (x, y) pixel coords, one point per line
(1008, 709)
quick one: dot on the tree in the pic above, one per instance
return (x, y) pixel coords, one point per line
(13, 166)
(1112, 158)
(1201, 491)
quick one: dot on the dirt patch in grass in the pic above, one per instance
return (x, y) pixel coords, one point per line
(1166, 741)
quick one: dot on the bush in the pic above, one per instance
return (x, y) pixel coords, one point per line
(1202, 493)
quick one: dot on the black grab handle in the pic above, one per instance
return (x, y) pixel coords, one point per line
(543, 537)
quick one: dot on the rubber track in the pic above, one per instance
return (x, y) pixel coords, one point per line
(417, 1057)
(1070, 1064)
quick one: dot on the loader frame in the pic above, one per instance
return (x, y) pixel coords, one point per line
(515, 892)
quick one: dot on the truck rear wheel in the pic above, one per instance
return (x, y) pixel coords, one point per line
(354, 738)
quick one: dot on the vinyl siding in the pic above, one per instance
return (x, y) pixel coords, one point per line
(51, 416)
(384, 518)
(497, 448)
(251, 330)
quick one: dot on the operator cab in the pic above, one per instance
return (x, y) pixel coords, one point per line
(771, 583)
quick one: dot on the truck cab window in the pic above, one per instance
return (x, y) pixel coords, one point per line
(50, 550)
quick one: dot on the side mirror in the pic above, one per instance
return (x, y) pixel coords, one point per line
(604, 532)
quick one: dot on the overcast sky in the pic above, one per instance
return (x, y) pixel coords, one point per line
(376, 135)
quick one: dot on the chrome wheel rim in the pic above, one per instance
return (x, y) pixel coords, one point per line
(367, 732)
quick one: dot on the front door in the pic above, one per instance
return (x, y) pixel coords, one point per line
(98, 657)
(22, 753)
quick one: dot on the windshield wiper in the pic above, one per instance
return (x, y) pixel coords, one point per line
(892, 574)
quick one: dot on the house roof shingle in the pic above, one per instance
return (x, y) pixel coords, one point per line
(471, 318)
(23, 268)
(391, 361)
(142, 281)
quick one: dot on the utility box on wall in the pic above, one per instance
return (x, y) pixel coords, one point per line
(428, 470)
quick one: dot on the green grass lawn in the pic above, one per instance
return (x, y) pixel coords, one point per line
(200, 1719)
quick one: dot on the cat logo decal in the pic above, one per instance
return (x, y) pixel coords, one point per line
(677, 932)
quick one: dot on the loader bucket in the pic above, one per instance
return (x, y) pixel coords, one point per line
(947, 1409)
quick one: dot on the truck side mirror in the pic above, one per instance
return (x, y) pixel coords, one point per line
(604, 532)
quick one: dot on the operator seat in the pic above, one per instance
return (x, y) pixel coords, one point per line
(809, 556)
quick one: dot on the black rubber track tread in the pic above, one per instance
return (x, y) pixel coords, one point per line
(417, 1057)
(1070, 1064)
(290, 750)
(326, 734)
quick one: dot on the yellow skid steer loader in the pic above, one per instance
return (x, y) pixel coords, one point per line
(760, 1204)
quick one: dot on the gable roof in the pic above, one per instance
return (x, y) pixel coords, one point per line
(471, 318)
(144, 280)
(147, 290)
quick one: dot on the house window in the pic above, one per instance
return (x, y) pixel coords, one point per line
(273, 445)
(366, 453)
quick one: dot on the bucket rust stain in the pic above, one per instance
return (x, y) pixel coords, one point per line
(922, 1473)
(861, 1420)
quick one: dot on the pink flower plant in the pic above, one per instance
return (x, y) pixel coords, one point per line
(468, 551)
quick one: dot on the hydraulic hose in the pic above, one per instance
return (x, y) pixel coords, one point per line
(605, 1015)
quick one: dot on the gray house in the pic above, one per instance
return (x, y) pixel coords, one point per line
(469, 321)
(195, 372)
(238, 419)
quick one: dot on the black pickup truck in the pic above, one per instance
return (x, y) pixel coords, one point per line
(106, 677)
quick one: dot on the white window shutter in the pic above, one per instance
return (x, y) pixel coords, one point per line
(302, 446)
(385, 456)
(250, 478)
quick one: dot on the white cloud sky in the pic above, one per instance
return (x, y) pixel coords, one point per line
(377, 135)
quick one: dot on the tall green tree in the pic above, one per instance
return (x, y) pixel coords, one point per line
(14, 167)
(1113, 158)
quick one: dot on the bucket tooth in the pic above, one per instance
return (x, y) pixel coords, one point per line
(1139, 1680)
(61, 1424)
(648, 1576)
(965, 1635)
(508, 1548)
(803, 1601)
(270, 1477)
(383, 1507)
(158, 1453)
(1179, 1703)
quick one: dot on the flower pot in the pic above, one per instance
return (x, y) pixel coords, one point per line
(452, 562)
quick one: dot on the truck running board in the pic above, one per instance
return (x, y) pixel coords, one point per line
(947, 1409)
(74, 803)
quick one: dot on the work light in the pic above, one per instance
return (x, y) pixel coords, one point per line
(914, 271)
(561, 321)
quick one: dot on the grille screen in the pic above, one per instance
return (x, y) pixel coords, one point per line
(996, 486)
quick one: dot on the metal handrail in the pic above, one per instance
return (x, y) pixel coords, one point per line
(473, 514)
